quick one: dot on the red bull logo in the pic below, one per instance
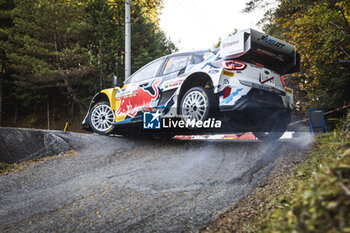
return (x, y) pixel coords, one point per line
(129, 104)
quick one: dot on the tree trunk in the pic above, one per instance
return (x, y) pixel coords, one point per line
(2, 78)
(54, 107)
(67, 75)
(16, 113)
(1, 97)
(48, 109)
(71, 117)
(73, 95)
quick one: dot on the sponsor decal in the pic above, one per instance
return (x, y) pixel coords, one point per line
(140, 98)
(224, 45)
(213, 71)
(264, 79)
(277, 57)
(127, 92)
(272, 42)
(256, 66)
(148, 109)
(151, 120)
(288, 90)
(226, 82)
(228, 73)
(173, 83)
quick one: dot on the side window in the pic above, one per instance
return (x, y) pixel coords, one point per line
(175, 64)
(197, 59)
(147, 72)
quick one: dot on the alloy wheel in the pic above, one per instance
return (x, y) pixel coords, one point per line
(102, 118)
(194, 106)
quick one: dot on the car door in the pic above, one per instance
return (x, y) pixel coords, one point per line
(140, 91)
(171, 74)
(172, 70)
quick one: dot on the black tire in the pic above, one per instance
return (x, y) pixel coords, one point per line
(104, 124)
(268, 136)
(163, 135)
(210, 103)
(273, 134)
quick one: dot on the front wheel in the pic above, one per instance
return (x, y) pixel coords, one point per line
(101, 118)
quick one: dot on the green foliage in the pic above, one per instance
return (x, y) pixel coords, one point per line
(321, 32)
(74, 47)
(317, 197)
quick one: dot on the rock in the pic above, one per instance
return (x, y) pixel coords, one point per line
(19, 145)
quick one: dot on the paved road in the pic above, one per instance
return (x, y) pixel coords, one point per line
(128, 185)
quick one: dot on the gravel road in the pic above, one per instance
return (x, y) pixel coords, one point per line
(116, 184)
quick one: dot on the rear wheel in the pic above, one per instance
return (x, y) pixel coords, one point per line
(198, 103)
(161, 135)
(275, 131)
(268, 136)
(101, 118)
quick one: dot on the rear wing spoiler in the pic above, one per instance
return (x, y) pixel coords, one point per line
(259, 48)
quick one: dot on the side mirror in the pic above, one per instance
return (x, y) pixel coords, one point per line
(115, 81)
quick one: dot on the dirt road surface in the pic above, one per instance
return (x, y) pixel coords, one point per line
(116, 184)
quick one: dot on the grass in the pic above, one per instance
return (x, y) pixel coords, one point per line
(6, 168)
(316, 197)
(312, 196)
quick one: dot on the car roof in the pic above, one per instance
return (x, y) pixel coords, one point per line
(198, 52)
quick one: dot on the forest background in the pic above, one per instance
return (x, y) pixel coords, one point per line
(56, 54)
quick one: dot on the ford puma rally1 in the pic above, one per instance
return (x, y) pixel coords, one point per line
(241, 84)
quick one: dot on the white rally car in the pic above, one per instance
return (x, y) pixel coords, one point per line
(241, 84)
